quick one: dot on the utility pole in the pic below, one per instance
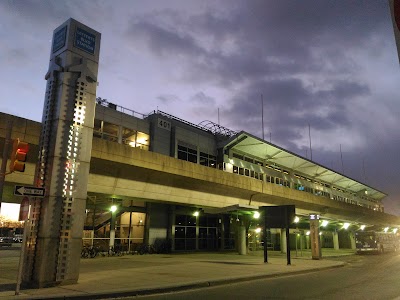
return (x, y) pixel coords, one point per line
(7, 142)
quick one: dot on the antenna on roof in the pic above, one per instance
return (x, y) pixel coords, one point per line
(218, 116)
(309, 135)
(341, 158)
(262, 116)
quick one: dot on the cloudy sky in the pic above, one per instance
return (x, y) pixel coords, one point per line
(330, 65)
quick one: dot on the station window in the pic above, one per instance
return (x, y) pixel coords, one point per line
(241, 171)
(248, 159)
(208, 160)
(185, 232)
(135, 139)
(235, 155)
(186, 153)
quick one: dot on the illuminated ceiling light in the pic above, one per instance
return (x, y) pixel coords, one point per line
(386, 229)
(256, 215)
(395, 230)
(296, 219)
(346, 225)
(113, 208)
(258, 230)
(362, 227)
(320, 233)
(308, 233)
(324, 223)
(196, 214)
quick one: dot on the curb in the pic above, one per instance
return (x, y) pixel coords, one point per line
(183, 287)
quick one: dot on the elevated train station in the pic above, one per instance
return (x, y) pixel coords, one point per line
(194, 186)
(113, 177)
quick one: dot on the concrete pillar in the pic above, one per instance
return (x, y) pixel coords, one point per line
(197, 233)
(112, 230)
(171, 226)
(222, 233)
(146, 236)
(352, 238)
(242, 249)
(315, 237)
(283, 241)
(335, 236)
(54, 243)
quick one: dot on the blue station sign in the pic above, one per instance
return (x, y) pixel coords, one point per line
(59, 39)
(84, 40)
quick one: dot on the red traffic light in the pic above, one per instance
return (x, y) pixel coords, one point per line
(18, 156)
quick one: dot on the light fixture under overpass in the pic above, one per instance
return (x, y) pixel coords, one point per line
(324, 223)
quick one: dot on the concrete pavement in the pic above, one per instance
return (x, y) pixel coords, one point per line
(127, 275)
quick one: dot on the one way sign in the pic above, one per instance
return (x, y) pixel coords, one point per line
(20, 190)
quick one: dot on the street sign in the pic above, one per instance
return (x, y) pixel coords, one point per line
(20, 190)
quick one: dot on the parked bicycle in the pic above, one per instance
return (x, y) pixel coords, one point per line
(89, 252)
(115, 251)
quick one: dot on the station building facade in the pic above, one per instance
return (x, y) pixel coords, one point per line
(184, 226)
(192, 227)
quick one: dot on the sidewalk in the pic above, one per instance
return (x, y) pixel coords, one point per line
(131, 275)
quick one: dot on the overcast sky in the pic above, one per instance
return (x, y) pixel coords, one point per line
(330, 64)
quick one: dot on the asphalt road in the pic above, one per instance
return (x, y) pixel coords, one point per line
(364, 277)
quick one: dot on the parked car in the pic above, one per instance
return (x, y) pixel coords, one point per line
(6, 241)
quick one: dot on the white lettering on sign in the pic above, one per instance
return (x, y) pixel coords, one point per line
(85, 40)
(164, 124)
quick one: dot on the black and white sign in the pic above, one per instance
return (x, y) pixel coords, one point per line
(164, 124)
(20, 190)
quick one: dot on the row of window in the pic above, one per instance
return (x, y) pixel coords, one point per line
(120, 134)
(298, 186)
(190, 154)
(185, 232)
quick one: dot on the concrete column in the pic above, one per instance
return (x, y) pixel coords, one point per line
(352, 240)
(222, 233)
(283, 241)
(112, 230)
(53, 250)
(315, 237)
(335, 240)
(171, 226)
(242, 249)
(147, 224)
(197, 233)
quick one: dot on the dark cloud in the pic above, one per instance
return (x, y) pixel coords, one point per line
(168, 98)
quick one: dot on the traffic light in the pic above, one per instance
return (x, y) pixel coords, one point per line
(18, 156)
